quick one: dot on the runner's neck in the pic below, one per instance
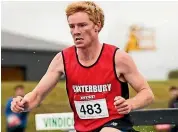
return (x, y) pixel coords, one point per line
(90, 53)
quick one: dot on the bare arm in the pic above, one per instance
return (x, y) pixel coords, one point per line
(46, 84)
(127, 70)
(51, 77)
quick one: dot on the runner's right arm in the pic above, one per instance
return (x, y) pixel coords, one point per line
(46, 84)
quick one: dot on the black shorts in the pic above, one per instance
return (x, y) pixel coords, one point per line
(124, 125)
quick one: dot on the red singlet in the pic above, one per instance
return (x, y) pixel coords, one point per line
(91, 90)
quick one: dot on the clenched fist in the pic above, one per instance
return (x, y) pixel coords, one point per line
(122, 106)
(18, 104)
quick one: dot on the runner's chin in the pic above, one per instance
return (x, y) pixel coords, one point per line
(80, 44)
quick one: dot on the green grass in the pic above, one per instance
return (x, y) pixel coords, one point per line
(57, 100)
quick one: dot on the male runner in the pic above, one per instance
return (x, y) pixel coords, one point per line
(96, 77)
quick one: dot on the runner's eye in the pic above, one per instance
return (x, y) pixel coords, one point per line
(82, 25)
(71, 26)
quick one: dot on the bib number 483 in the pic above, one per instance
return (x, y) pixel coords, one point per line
(91, 109)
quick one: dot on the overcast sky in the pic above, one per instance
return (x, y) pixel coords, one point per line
(47, 20)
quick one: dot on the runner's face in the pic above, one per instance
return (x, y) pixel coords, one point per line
(82, 29)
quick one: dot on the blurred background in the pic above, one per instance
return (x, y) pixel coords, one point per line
(33, 32)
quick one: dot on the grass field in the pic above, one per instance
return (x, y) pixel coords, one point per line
(57, 101)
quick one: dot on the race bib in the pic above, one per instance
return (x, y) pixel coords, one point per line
(92, 109)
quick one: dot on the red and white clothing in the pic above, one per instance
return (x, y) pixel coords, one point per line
(92, 89)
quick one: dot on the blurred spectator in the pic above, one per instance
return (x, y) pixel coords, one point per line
(173, 103)
(133, 43)
(15, 122)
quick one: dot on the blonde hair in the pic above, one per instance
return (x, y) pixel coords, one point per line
(94, 11)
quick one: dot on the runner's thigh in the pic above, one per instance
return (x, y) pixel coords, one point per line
(109, 129)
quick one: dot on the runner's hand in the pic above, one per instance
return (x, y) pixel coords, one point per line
(122, 106)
